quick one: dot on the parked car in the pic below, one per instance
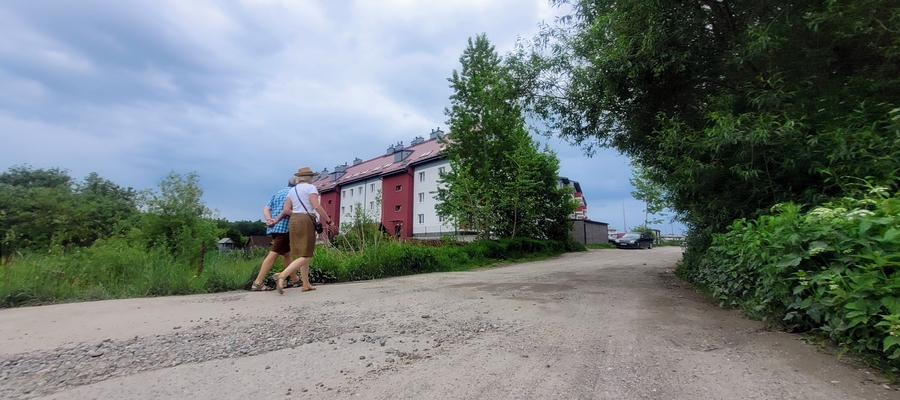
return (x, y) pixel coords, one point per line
(635, 240)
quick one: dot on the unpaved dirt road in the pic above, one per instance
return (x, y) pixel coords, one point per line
(605, 324)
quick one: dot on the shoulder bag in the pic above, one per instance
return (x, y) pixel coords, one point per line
(316, 223)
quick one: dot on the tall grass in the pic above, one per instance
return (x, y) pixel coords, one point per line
(115, 269)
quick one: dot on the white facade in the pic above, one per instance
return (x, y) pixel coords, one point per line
(425, 184)
(363, 194)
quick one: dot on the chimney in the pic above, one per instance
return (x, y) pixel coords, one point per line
(390, 150)
(398, 146)
(357, 161)
(439, 133)
(417, 140)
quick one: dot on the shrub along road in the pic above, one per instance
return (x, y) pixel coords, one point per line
(600, 324)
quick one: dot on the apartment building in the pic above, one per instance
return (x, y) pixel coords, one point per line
(398, 188)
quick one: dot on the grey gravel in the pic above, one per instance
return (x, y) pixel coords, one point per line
(591, 325)
(39, 373)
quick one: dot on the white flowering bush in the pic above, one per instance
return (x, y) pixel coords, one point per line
(834, 269)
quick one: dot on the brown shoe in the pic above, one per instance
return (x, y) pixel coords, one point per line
(307, 288)
(280, 285)
(260, 287)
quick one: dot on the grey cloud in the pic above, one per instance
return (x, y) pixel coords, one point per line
(242, 93)
(132, 50)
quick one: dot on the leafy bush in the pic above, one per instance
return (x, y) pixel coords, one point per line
(834, 269)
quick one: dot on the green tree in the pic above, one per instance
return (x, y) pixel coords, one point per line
(737, 105)
(250, 228)
(26, 176)
(499, 183)
(101, 209)
(650, 192)
(36, 208)
(176, 219)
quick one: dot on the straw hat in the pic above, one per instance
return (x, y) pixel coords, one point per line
(304, 171)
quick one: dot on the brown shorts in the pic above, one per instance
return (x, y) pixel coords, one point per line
(303, 235)
(281, 243)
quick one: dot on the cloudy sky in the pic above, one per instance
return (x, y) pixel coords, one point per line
(245, 91)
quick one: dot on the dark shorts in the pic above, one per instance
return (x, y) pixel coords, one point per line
(281, 243)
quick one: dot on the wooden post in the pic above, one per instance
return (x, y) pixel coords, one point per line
(202, 256)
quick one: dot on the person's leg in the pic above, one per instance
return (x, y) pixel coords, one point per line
(287, 261)
(281, 245)
(303, 245)
(304, 274)
(292, 269)
(266, 267)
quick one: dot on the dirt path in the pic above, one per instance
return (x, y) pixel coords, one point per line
(609, 324)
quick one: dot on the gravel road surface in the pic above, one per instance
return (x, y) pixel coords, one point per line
(602, 324)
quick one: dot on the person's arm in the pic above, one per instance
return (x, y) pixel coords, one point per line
(267, 214)
(267, 211)
(314, 200)
(286, 210)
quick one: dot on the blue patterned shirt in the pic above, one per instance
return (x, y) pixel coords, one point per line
(276, 204)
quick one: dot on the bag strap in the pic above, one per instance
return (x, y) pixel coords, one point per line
(301, 203)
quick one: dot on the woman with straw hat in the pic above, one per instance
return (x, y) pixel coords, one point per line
(301, 200)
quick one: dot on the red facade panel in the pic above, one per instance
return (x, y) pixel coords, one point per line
(331, 202)
(397, 203)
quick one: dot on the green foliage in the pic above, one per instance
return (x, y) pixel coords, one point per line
(734, 106)
(648, 190)
(834, 269)
(176, 218)
(249, 228)
(25, 176)
(392, 258)
(44, 208)
(118, 268)
(499, 183)
(361, 231)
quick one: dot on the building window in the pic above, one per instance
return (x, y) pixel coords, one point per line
(343, 210)
(329, 202)
(421, 177)
(397, 208)
(440, 218)
(399, 187)
(359, 190)
(371, 205)
(372, 187)
(351, 209)
(343, 193)
(421, 218)
(421, 197)
(441, 170)
(351, 192)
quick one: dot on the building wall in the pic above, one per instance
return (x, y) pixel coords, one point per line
(425, 220)
(590, 232)
(331, 202)
(396, 206)
(361, 194)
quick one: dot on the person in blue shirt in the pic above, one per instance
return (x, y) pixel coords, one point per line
(281, 238)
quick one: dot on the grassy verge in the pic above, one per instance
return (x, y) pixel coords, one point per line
(114, 269)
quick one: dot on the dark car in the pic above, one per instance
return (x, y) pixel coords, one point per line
(635, 240)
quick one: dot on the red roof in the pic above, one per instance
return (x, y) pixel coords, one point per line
(382, 165)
